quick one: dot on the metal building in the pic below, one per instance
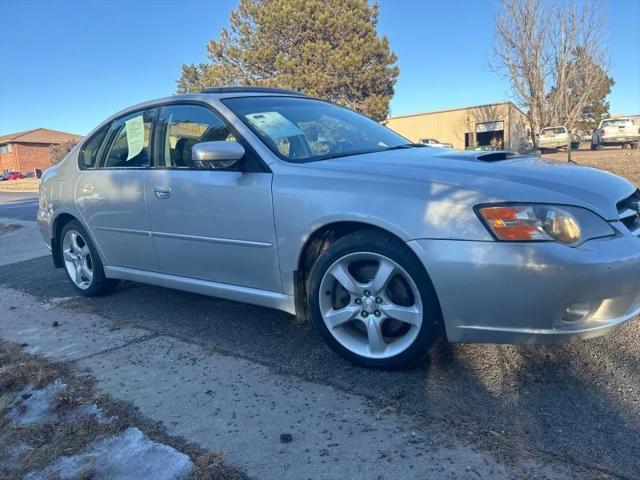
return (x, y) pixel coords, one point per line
(495, 126)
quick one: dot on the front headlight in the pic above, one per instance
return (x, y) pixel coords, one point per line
(527, 223)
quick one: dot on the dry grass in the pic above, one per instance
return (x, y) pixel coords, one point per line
(54, 440)
(625, 163)
(24, 185)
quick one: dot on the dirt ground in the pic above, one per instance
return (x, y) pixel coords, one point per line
(625, 163)
(24, 185)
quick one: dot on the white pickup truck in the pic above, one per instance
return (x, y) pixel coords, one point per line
(615, 132)
(554, 138)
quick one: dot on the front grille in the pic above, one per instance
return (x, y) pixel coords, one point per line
(629, 213)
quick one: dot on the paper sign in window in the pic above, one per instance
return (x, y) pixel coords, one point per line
(274, 124)
(135, 135)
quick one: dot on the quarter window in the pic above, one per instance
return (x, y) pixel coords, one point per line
(184, 126)
(129, 140)
(88, 157)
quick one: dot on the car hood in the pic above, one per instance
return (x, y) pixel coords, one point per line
(496, 176)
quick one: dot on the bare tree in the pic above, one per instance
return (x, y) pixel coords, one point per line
(554, 57)
(58, 151)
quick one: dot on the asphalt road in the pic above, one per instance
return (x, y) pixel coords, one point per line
(17, 205)
(577, 403)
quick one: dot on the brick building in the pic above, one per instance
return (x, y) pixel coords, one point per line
(24, 151)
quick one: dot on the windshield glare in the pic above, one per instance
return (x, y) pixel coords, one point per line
(303, 129)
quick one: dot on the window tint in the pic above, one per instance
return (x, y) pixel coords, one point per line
(129, 139)
(88, 157)
(183, 126)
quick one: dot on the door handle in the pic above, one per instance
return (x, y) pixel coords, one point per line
(86, 189)
(162, 191)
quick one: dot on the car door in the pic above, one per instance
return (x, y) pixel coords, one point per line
(210, 224)
(110, 191)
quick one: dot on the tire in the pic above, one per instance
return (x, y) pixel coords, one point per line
(594, 147)
(375, 339)
(634, 146)
(82, 263)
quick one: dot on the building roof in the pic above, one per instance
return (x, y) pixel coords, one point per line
(455, 109)
(39, 135)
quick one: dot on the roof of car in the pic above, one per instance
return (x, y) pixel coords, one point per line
(250, 89)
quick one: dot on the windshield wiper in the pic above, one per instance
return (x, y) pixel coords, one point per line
(406, 145)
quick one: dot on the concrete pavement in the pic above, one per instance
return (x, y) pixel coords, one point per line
(20, 240)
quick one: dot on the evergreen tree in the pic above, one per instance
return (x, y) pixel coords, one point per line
(325, 48)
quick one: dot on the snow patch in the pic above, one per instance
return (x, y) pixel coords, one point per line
(10, 460)
(128, 456)
(36, 406)
(85, 412)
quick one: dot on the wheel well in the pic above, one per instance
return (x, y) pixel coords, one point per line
(317, 242)
(58, 224)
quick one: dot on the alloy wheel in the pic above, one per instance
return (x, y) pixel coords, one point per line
(370, 305)
(77, 259)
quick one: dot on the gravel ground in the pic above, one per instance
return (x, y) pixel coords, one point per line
(577, 403)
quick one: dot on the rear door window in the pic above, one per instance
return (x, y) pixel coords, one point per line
(129, 141)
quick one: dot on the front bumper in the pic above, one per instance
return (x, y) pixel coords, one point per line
(500, 292)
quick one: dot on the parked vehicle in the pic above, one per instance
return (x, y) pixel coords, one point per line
(15, 176)
(615, 132)
(432, 142)
(554, 138)
(383, 243)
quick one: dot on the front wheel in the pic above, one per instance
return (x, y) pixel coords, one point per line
(373, 302)
(81, 261)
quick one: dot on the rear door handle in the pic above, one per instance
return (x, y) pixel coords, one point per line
(86, 189)
(162, 191)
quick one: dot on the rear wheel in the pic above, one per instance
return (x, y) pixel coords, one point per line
(373, 302)
(81, 261)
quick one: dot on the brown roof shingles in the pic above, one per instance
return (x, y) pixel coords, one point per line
(39, 135)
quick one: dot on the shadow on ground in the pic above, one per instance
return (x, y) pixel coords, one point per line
(578, 402)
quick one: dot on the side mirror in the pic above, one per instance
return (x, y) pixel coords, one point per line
(215, 155)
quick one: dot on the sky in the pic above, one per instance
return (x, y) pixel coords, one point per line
(67, 65)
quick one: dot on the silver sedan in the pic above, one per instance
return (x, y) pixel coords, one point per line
(273, 198)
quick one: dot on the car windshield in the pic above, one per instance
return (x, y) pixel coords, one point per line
(302, 129)
(614, 123)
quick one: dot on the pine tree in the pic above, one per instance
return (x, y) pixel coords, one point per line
(326, 48)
